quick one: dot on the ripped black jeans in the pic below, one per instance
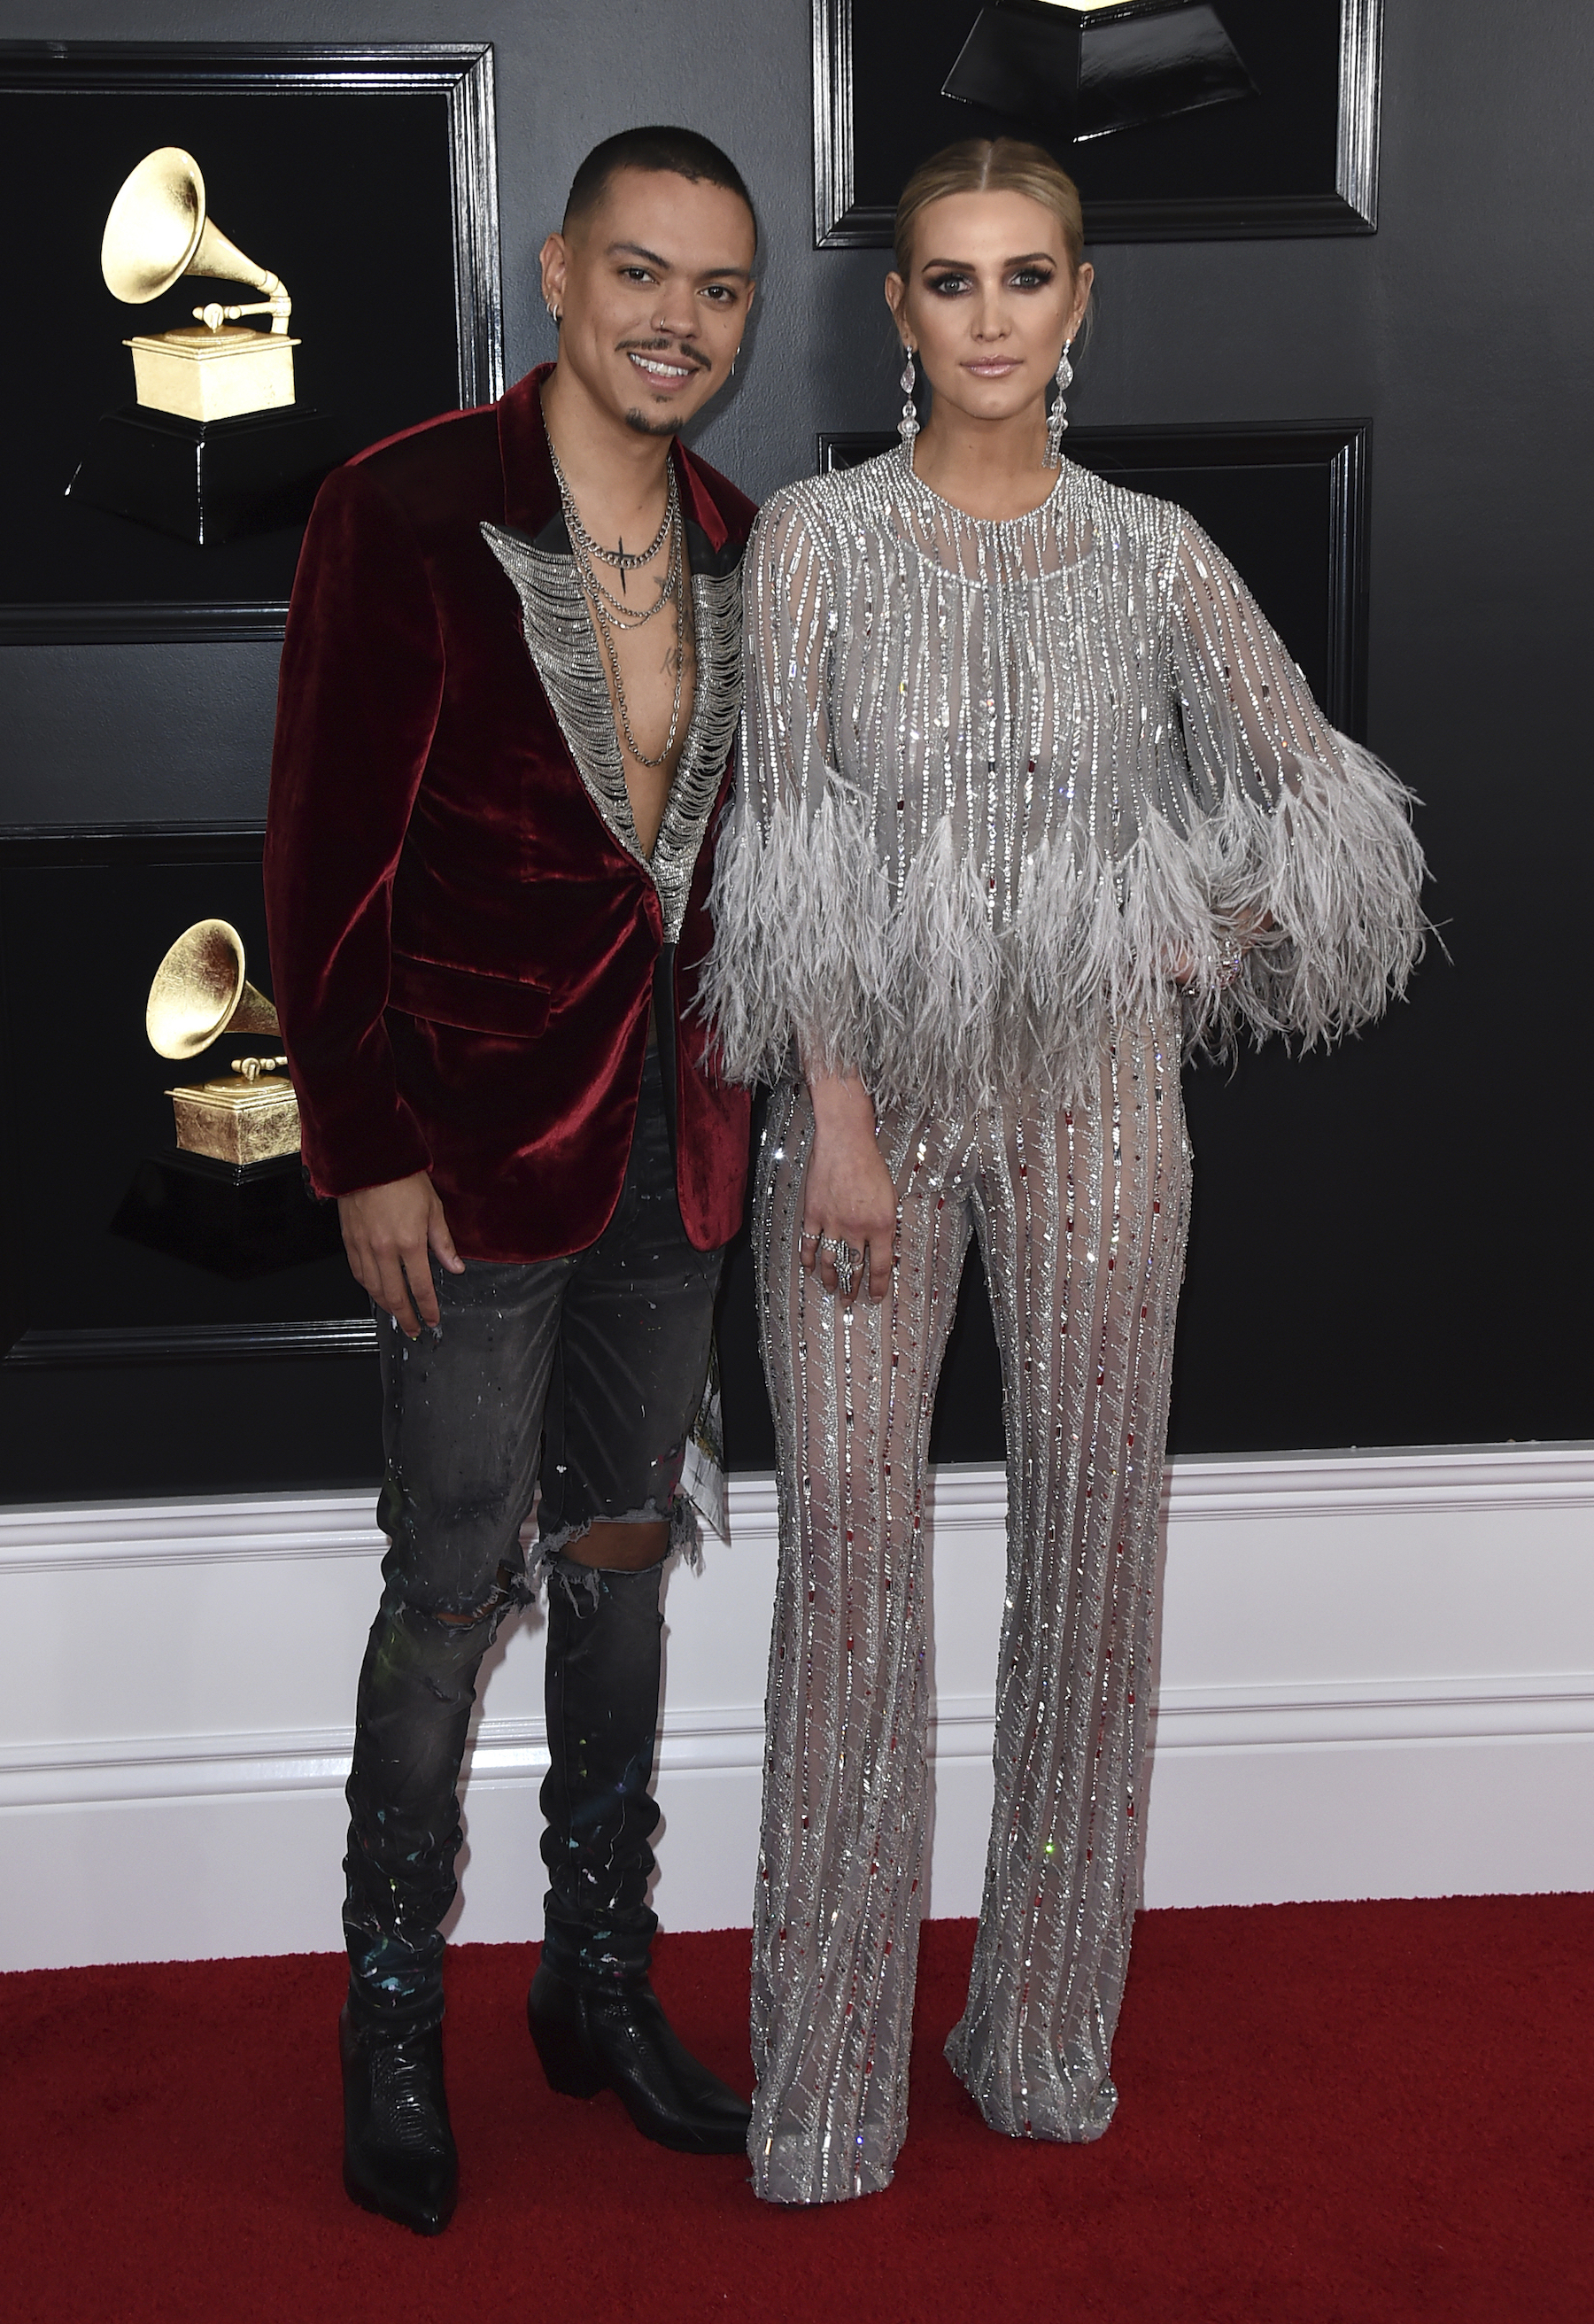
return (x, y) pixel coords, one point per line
(581, 1373)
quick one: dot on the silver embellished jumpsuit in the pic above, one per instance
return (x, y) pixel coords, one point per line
(1023, 805)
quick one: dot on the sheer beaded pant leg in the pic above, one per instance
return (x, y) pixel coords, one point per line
(1083, 1220)
(839, 1893)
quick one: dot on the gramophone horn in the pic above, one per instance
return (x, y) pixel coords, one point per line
(200, 993)
(158, 231)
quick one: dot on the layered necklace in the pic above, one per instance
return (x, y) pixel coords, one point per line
(611, 613)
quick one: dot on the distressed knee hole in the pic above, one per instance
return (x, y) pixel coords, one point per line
(507, 1590)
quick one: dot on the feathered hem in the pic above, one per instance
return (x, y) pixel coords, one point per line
(1301, 920)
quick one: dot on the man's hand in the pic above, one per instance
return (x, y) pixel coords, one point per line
(387, 1232)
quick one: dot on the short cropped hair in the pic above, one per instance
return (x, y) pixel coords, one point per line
(682, 152)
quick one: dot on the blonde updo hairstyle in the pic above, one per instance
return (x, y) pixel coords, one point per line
(990, 165)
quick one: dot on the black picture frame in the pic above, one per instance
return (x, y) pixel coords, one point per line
(1301, 158)
(1287, 502)
(78, 109)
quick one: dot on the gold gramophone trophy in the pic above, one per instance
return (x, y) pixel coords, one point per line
(216, 445)
(230, 1198)
(218, 367)
(249, 1115)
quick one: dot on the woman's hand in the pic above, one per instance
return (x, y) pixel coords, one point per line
(848, 1196)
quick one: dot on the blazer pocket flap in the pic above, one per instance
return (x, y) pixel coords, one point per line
(469, 997)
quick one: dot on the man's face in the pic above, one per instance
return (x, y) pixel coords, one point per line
(653, 286)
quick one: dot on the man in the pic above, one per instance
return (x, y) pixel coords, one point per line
(508, 691)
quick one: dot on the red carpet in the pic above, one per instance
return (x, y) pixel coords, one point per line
(1330, 2112)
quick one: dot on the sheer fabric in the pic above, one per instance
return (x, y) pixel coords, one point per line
(1081, 1213)
(1001, 785)
(998, 779)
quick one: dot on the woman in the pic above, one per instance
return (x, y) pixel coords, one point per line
(1027, 779)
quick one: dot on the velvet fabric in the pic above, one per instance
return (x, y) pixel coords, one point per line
(462, 955)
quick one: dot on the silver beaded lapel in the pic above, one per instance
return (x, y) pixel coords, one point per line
(564, 651)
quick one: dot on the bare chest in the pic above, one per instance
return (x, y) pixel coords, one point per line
(651, 671)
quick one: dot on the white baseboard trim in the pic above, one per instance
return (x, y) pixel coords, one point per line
(1356, 1650)
(110, 1537)
(1459, 1480)
(731, 1740)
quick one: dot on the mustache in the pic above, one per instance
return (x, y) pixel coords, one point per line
(680, 350)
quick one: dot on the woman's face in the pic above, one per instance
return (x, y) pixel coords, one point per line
(989, 302)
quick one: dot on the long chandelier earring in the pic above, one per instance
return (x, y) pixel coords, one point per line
(1058, 420)
(908, 426)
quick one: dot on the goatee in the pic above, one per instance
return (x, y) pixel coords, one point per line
(669, 425)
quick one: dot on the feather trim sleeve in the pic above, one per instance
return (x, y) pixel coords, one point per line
(1000, 784)
(1312, 870)
(800, 904)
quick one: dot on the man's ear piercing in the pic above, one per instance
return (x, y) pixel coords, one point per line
(554, 313)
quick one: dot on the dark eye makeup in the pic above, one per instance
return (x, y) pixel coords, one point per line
(1024, 278)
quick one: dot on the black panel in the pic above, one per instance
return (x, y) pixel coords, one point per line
(362, 178)
(1091, 76)
(146, 1363)
(1282, 162)
(299, 183)
(749, 1431)
(207, 483)
(129, 1432)
(1285, 146)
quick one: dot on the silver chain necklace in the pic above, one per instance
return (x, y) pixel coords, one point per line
(584, 549)
(611, 614)
(623, 560)
(623, 615)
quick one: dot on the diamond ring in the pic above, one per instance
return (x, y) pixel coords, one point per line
(846, 1260)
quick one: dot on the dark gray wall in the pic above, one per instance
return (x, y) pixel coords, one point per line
(1439, 1161)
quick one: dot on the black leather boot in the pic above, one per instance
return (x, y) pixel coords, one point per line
(619, 2038)
(596, 2019)
(398, 2149)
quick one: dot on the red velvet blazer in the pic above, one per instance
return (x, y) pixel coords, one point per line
(463, 950)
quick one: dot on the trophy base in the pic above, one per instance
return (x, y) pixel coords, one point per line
(238, 1223)
(208, 480)
(1085, 76)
